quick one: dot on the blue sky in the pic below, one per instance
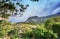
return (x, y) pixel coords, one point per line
(41, 8)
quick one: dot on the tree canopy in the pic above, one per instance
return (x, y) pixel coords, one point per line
(7, 6)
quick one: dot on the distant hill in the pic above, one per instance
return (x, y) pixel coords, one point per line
(36, 19)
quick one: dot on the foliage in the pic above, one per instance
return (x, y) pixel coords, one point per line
(5, 27)
(55, 25)
(14, 34)
(7, 6)
(56, 28)
(44, 30)
(57, 19)
(35, 31)
(49, 23)
(40, 32)
(52, 22)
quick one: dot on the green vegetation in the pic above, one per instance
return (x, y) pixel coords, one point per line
(48, 30)
(7, 8)
(5, 27)
(40, 32)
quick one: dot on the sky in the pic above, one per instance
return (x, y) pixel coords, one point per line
(40, 9)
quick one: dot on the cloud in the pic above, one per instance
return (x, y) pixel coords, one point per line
(41, 8)
(57, 10)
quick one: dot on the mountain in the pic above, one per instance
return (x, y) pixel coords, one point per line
(36, 19)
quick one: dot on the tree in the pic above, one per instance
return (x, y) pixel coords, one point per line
(7, 6)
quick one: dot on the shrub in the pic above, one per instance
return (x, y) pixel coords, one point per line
(14, 34)
(56, 28)
(42, 33)
(5, 27)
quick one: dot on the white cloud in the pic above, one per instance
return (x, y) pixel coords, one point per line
(42, 8)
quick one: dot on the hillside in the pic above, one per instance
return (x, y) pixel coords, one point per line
(51, 28)
(36, 19)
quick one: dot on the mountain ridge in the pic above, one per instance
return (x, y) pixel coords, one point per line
(36, 19)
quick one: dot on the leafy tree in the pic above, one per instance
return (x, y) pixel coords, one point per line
(7, 6)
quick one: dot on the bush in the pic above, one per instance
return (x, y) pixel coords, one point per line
(56, 28)
(40, 32)
(14, 34)
(5, 27)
